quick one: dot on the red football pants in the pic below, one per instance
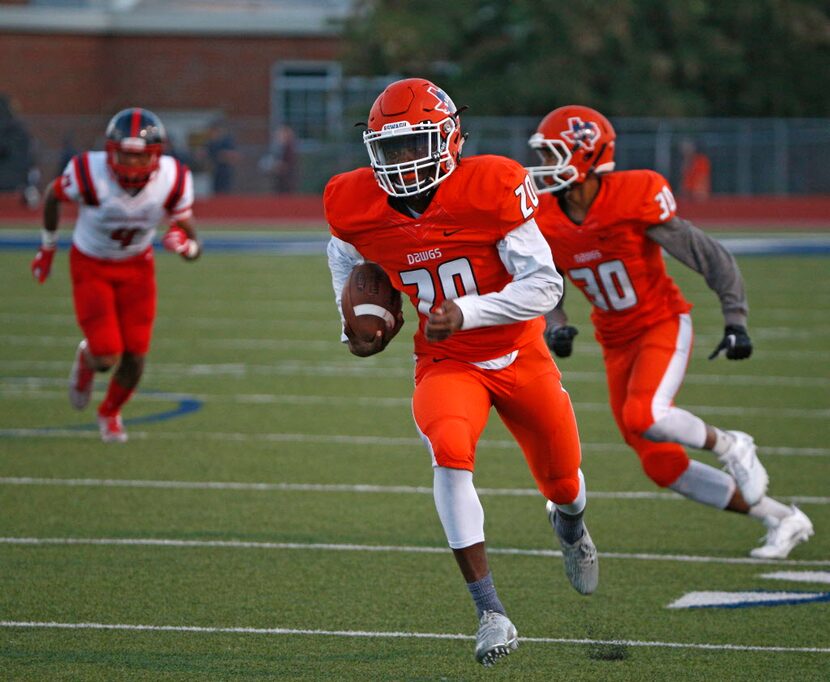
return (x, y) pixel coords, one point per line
(452, 402)
(115, 301)
(654, 362)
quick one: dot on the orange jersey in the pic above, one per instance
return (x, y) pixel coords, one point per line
(609, 257)
(448, 252)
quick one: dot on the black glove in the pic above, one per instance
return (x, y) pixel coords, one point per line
(735, 342)
(561, 340)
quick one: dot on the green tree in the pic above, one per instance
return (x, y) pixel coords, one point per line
(629, 57)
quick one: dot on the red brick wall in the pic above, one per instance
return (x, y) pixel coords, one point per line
(66, 74)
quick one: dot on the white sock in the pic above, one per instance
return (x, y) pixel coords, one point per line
(723, 441)
(770, 510)
(458, 506)
(705, 484)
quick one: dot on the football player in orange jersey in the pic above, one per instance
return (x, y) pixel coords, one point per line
(460, 240)
(606, 230)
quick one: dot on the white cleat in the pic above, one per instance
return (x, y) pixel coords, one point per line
(783, 535)
(581, 561)
(742, 463)
(80, 379)
(495, 639)
(112, 429)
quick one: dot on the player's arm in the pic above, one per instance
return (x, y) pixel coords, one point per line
(559, 335)
(42, 263)
(535, 289)
(181, 236)
(694, 248)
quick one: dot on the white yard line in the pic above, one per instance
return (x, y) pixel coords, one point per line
(32, 391)
(391, 368)
(339, 439)
(389, 549)
(398, 635)
(340, 488)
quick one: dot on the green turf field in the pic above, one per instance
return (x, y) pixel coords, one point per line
(286, 529)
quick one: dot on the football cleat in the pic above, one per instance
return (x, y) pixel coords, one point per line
(742, 463)
(80, 379)
(495, 639)
(112, 428)
(581, 561)
(783, 535)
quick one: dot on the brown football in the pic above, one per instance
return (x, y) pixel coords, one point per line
(369, 301)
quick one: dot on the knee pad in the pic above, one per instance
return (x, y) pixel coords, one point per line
(561, 491)
(665, 465)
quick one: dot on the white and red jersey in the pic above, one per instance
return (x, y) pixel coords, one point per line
(112, 223)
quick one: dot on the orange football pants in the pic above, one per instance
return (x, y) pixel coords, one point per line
(635, 373)
(115, 301)
(452, 402)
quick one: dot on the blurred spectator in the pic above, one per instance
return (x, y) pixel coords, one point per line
(18, 168)
(696, 175)
(68, 150)
(222, 155)
(280, 163)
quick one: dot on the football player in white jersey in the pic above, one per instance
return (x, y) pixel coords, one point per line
(123, 194)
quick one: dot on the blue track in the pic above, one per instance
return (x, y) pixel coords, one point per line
(315, 243)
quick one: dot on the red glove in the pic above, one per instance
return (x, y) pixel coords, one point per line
(42, 264)
(177, 241)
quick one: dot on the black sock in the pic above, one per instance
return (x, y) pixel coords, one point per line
(569, 526)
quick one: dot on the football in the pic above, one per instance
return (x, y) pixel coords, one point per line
(369, 301)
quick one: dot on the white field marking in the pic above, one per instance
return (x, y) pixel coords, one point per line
(388, 549)
(400, 635)
(234, 344)
(702, 599)
(588, 349)
(26, 390)
(799, 576)
(329, 318)
(340, 439)
(343, 488)
(375, 368)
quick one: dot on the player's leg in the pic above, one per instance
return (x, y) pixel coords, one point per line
(643, 405)
(536, 409)
(658, 375)
(94, 301)
(135, 301)
(450, 407)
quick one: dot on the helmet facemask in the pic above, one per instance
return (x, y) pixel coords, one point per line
(409, 159)
(133, 174)
(557, 173)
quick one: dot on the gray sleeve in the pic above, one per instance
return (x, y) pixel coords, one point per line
(694, 248)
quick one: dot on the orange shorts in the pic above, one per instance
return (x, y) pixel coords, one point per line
(115, 301)
(654, 363)
(452, 402)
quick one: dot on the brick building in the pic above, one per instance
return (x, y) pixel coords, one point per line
(70, 64)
